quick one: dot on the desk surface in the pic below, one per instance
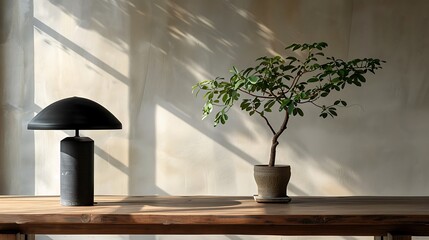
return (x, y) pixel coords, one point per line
(360, 216)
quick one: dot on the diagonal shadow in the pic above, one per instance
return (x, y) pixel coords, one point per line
(79, 50)
(222, 140)
(111, 160)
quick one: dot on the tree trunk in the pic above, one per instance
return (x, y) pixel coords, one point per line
(275, 142)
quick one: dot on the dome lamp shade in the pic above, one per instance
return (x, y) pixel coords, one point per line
(74, 113)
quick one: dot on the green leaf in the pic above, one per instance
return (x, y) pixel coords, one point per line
(297, 46)
(208, 107)
(361, 78)
(313, 79)
(303, 95)
(245, 104)
(323, 44)
(290, 46)
(195, 87)
(285, 102)
(305, 46)
(287, 67)
(224, 118)
(253, 79)
(290, 107)
(218, 118)
(269, 104)
(300, 112)
(238, 84)
(336, 80)
(342, 73)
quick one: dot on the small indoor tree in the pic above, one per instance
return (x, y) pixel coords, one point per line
(285, 84)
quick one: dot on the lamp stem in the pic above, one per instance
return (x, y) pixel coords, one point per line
(77, 133)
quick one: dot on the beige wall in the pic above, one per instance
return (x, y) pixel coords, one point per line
(140, 58)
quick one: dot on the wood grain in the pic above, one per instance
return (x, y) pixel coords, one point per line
(16, 236)
(9, 237)
(359, 216)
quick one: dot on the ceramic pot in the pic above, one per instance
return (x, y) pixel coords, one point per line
(272, 181)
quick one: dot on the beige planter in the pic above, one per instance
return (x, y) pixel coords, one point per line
(272, 183)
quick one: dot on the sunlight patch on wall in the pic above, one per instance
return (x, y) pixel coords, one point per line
(207, 22)
(189, 38)
(178, 169)
(176, 165)
(265, 32)
(310, 177)
(196, 70)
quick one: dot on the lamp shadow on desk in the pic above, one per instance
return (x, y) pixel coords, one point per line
(176, 201)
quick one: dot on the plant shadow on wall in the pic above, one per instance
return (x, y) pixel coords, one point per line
(285, 84)
(105, 17)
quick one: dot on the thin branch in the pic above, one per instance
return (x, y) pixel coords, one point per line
(296, 79)
(317, 105)
(317, 96)
(266, 120)
(303, 70)
(254, 95)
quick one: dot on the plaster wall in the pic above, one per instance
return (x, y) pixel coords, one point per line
(139, 59)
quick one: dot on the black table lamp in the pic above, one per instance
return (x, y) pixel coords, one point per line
(77, 153)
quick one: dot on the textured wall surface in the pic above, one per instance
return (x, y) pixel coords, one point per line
(140, 58)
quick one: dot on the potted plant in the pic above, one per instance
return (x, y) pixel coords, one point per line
(283, 84)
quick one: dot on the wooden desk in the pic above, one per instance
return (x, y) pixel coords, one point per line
(395, 217)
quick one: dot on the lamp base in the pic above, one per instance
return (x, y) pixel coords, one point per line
(77, 171)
